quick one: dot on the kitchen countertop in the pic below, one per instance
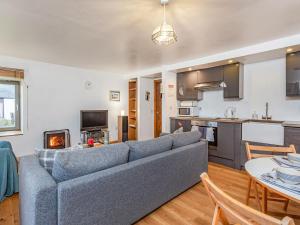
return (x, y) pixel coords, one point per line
(238, 120)
(223, 120)
(291, 124)
(265, 121)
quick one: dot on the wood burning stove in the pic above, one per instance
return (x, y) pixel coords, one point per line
(57, 139)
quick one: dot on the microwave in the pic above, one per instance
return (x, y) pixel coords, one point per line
(188, 111)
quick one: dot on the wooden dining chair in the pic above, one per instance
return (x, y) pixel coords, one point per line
(256, 151)
(230, 211)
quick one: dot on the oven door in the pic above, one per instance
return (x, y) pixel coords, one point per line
(210, 134)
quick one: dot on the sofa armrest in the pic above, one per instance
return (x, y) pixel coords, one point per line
(38, 193)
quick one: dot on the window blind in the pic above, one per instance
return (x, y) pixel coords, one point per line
(11, 73)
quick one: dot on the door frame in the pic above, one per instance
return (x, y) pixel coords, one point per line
(157, 84)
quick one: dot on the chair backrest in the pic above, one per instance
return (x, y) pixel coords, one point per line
(234, 211)
(268, 151)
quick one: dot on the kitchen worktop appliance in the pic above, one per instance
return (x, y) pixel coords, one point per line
(188, 109)
(209, 130)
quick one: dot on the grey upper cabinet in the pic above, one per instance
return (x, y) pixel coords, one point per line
(213, 74)
(185, 86)
(232, 74)
(233, 78)
(293, 74)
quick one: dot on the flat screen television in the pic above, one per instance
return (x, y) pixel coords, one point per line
(93, 120)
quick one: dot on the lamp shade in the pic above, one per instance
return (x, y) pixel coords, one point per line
(164, 34)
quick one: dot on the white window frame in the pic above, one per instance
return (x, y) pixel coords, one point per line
(17, 126)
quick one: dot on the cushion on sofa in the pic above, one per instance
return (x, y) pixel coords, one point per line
(185, 138)
(69, 165)
(46, 157)
(142, 149)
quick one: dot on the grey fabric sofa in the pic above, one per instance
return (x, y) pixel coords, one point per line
(119, 195)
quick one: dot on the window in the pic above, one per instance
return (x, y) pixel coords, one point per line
(10, 105)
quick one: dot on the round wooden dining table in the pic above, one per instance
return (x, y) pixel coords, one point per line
(255, 168)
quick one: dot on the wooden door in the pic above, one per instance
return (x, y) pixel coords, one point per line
(157, 108)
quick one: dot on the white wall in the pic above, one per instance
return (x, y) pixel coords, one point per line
(169, 102)
(145, 109)
(56, 94)
(263, 82)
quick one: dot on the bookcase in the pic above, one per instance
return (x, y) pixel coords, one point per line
(132, 109)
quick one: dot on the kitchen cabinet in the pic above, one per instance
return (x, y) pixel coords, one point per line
(213, 74)
(233, 78)
(229, 138)
(229, 145)
(226, 140)
(293, 74)
(292, 137)
(185, 86)
(232, 75)
(177, 123)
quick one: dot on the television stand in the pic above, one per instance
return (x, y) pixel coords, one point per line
(101, 136)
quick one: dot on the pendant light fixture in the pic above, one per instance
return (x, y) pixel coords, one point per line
(164, 34)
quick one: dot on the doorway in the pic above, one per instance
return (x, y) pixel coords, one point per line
(157, 108)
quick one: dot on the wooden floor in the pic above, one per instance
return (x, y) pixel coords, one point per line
(190, 208)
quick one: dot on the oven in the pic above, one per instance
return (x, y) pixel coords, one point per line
(209, 131)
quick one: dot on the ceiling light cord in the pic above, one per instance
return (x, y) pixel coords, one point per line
(165, 18)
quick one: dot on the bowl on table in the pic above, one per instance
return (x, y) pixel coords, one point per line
(288, 175)
(294, 157)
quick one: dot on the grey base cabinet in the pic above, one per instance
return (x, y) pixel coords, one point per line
(229, 141)
(292, 137)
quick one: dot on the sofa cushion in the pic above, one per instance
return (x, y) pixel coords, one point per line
(46, 157)
(141, 149)
(69, 165)
(185, 138)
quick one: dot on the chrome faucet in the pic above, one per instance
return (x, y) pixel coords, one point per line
(267, 117)
(230, 112)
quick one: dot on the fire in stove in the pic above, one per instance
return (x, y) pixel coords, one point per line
(57, 139)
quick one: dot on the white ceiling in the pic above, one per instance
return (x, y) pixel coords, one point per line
(115, 35)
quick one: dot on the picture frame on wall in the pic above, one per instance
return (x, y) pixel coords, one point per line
(114, 96)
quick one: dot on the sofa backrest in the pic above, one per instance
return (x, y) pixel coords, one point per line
(69, 165)
(142, 149)
(185, 138)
